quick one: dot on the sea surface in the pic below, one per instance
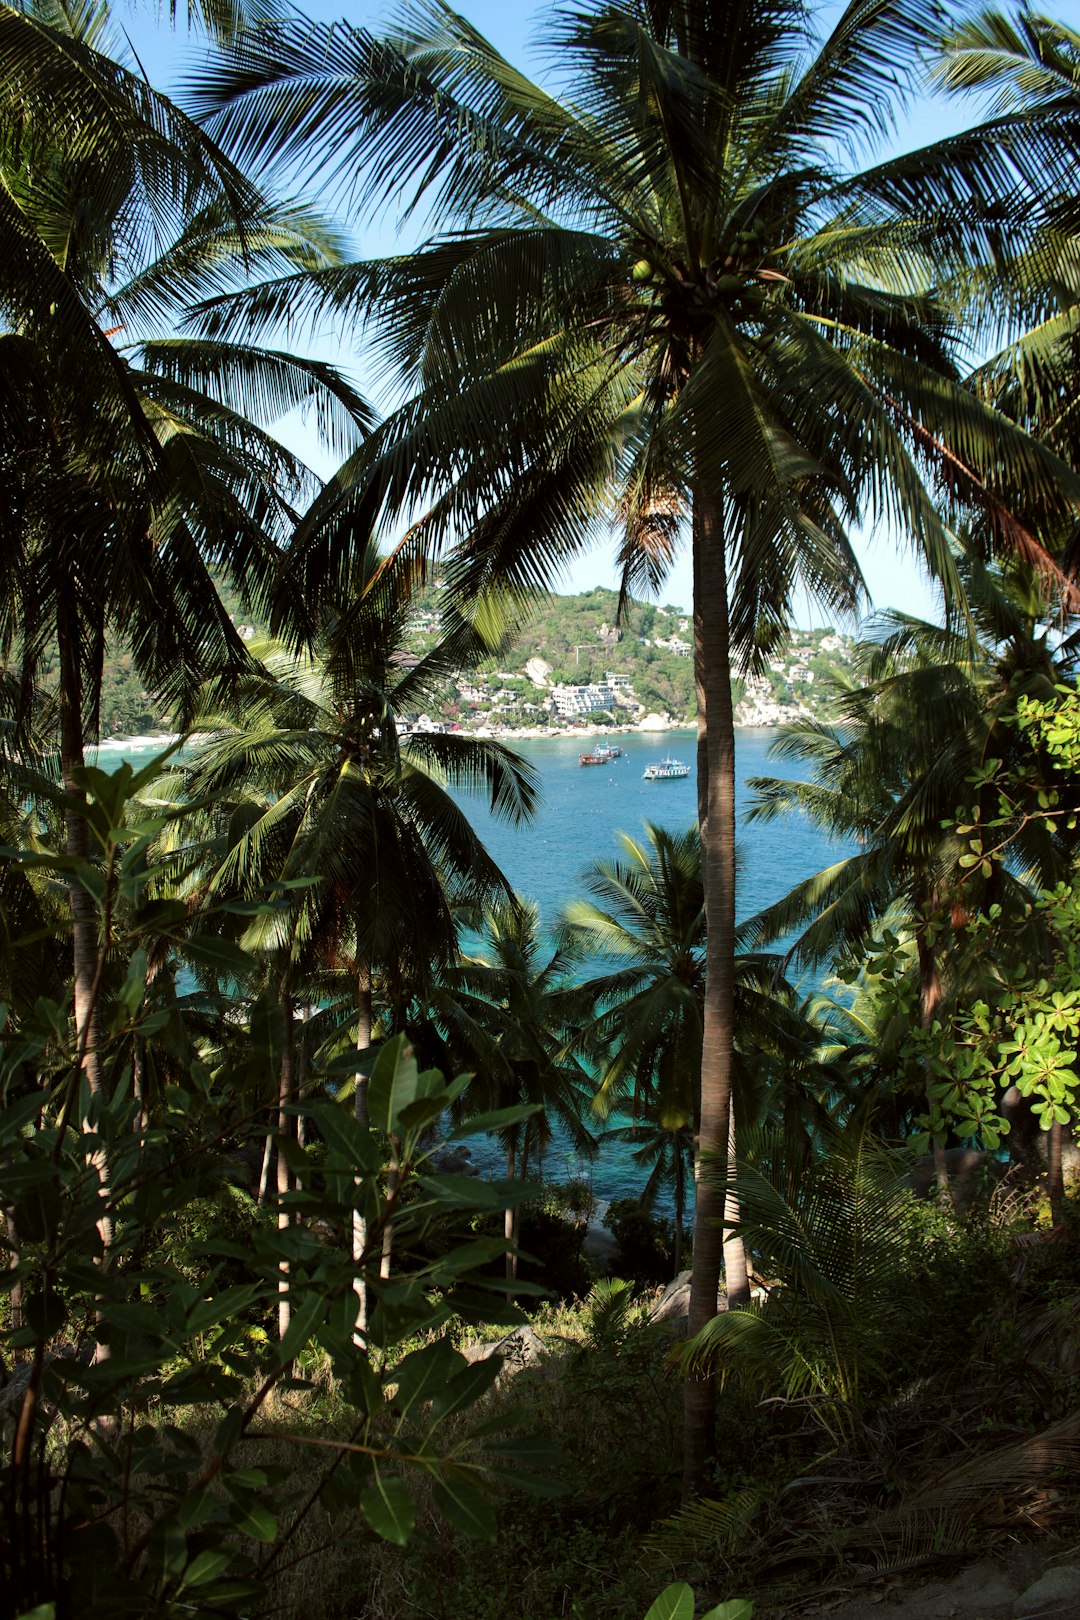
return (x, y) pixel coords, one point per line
(582, 810)
(585, 807)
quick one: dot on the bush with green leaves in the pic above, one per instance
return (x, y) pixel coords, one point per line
(676, 1602)
(142, 1418)
(646, 1242)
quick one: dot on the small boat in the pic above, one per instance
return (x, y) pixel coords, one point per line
(667, 770)
(599, 756)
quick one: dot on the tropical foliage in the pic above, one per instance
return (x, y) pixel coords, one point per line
(263, 999)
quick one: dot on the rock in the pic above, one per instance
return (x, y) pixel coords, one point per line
(674, 1303)
(654, 722)
(1055, 1593)
(599, 1246)
(964, 1167)
(520, 1349)
(454, 1161)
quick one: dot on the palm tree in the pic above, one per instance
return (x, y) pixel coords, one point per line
(664, 298)
(643, 930)
(122, 493)
(928, 711)
(353, 826)
(503, 1008)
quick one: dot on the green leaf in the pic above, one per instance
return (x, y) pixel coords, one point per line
(676, 1602)
(466, 1507)
(259, 1523)
(389, 1509)
(396, 1083)
(206, 1567)
(733, 1609)
(342, 1131)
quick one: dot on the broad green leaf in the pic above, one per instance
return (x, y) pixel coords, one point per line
(206, 1567)
(676, 1602)
(733, 1609)
(465, 1506)
(259, 1523)
(389, 1509)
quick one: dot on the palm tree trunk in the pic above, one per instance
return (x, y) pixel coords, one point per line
(286, 1098)
(716, 805)
(736, 1267)
(264, 1173)
(929, 1000)
(510, 1228)
(86, 944)
(15, 1292)
(138, 1086)
(388, 1230)
(359, 1226)
(680, 1203)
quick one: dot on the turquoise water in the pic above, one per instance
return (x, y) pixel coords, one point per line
(585, 806)
(582, 809)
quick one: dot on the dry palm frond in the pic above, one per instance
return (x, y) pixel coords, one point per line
(1011, 1483)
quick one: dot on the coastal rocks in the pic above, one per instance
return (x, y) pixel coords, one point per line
(454, 1160)
(674, 1303)
(1057, 1592)
(520, 1349)
(599, 1247)
(655, 722)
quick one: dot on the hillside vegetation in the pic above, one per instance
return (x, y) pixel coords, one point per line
(578, 639)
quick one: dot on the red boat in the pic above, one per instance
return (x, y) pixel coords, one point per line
(599, 756)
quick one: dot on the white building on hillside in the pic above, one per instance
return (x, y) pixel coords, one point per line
(573, 700)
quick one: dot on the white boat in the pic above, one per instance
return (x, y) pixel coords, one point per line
(668, 770)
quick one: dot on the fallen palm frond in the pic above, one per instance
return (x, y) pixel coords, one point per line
(1013, 1483)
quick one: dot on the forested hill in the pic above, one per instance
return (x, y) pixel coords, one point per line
(576, 638)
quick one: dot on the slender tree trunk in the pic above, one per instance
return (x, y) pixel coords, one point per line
(359, 1229)
(1055, 1177)
(680, 1204)
(510, 1228)
(386, 1257)
(85, 939)
(736, 1267)
(264, 1173)
(929, 1001)
(15, 1293)
(286, 1097)
(138, 1086)
(716, 801)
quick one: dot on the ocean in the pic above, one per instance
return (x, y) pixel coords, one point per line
(582, 809)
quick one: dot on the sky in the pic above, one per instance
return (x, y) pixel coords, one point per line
(892, 573)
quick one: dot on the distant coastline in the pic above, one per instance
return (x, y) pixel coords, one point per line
(165, 739)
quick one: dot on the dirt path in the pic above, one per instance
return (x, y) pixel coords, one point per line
(1020, 1589)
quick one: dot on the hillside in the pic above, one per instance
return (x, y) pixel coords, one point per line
(568, 656)
(571, 656)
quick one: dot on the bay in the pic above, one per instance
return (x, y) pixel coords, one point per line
(582, 810)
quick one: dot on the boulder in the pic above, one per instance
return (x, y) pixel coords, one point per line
(1057, 1592)
(599, 1246)
(520, 1349)
(674, 1303)
(454, 1160)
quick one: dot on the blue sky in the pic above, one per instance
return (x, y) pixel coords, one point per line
(894, 576)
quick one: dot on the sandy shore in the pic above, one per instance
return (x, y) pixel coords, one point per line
(117, 745)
